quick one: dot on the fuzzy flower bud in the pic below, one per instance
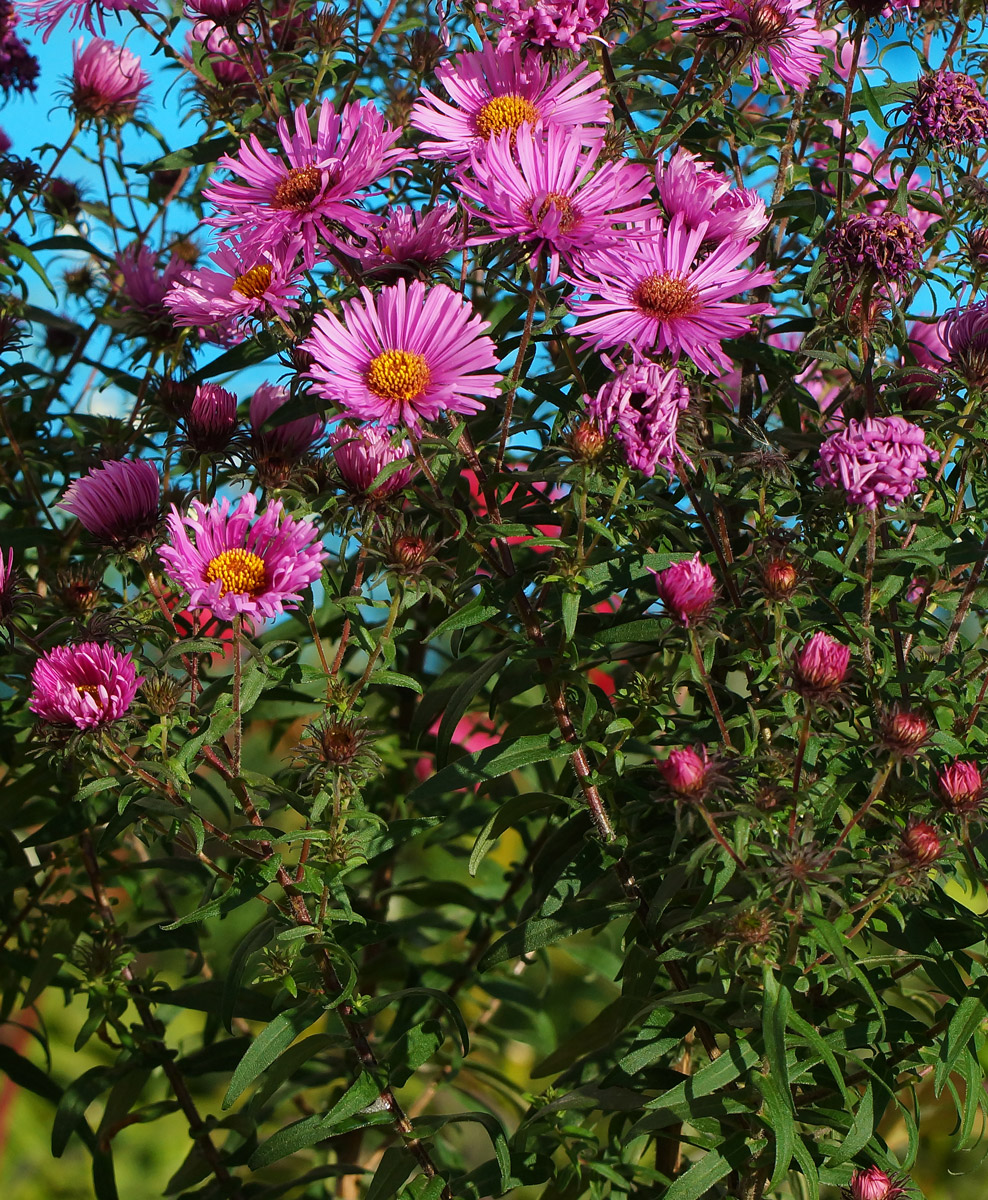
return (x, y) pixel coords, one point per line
(687, 589)
(962, 787)
(820, 667)
(685, 772)
(920, 845)
(779, 579)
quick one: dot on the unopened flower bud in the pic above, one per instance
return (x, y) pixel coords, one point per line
(77, 590)
(410, 552)
(161, 694)
(212, 419)
(586, 441)
(920, 844)
(873, 1184)
(962, 787)
(685, 772)
(820, 667)
(779, 579)
(903, 732)
(687, 589)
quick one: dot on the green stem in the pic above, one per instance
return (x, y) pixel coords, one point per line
(708, 686)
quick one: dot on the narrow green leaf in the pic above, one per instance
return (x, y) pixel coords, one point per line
(270, 1042)
(457, 704)
(710, 1170)
(255, 940)
(963, 1024)
(74, 1101)
(775, 1011)
(538, 932)
(428, 1126)
(507, 756)
(506, 816)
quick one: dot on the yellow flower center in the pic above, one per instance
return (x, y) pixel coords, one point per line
(87, 689)
(568, 215)
(398, 375)
(238, 571)
(298, 189)
(504, 112)
(255, 282)
(666, 296)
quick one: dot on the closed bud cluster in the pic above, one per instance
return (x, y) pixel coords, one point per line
(820, 667)
(904, 732)
(962, 787)
(754, 927)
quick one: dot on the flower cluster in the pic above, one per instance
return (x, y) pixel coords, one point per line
(949, 111)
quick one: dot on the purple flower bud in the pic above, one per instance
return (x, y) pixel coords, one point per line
(685, 772)
(820, 667)
(212, 419)
(118, 502)
(687, 589)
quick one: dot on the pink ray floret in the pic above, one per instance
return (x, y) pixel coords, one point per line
(877, 460)
(87, 685)
(701, 194)
(86, 14)
(362, 454)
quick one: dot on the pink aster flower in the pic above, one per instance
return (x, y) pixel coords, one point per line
(703, 195)
(235, 564)
(877, 460)
(86, 14)
(640, 408)
(107, 81)
(653, 295)
(224, 12)
(919, 847)
(286, 441)
(873, 1184)
(403, 356)
(493, 91)
(118, 502)
(408, 242)
(362, 454)
(962, 786)
(143, 286)
(685, 772)
(771, 30)
(224, 56)
(542, 187)
(687, 589)
(921, 387)
(820, 667)
(965, 334)
(253, 281)
(88, 685)
(565, 24)
(310, 186)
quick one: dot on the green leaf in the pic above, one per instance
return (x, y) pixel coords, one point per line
(507, 756)
(963, 1024)
(395, 1166)
(474, 613)
(710, 1169)
(778, 1116)
(737, 1059)
(412, 1050)
(457, 704)
(511, 811)
(538, 932)
(861, 1129)
(196, 155)
(270, 1042)
(255, 940)
(775, 1011)
(362, 1093)
(428, 1126)
(74, 1101)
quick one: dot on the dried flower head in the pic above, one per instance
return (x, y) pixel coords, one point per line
(78, 589)
(337, 746)
(877, 247)
(162, 694)
(948, 112)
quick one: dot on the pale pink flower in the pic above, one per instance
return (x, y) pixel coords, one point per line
(705, 197)
(286, 442)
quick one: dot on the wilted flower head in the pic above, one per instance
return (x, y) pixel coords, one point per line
(877, 460)
(362, 454)
(873, 1184)
(212, 419)
(640, 408)
(222, 11)
(965, 334)
(948, 111)
(107, 81)
(338, 746)
(407, 241)
(565, 24)
(685, 772)
(880, 246)
(962, 786)
(820, 667)
(88, 685)
(118, 502)
(687, 589)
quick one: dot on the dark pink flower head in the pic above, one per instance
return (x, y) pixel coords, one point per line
(655, 294)
(288, 441)
(89, 685)
(687, 589)
(922, 387)
(403, 356)
(212, 419)
(948, 112)
(362, 454)
(223, 12)
(772, 30)
(962, 786)
(879, 246)
(406, 242)
(234, 564)
(965, 334)
(877, 460)
(873, 1184)
(541, 186)
(565, 24)
(10, 586)
(143, 286)
(310, 186)
(19, 69)
(685, 772)
(904, 732)
(118, 502)
(920, 847)
(820, 667)
(705, 196)
(640, 407)
(222, 52)
(107, 81)
(493, 91)
(86, 14)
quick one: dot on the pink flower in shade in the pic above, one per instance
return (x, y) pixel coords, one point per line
(235, 564)
(107, 81)
(542, 187)
(640, 408)
(403, 356)
(89, 685)
(920, 847)
(685, 772)
(493, 91)
(922, 387)
(224, 12)
(362, 454)
(288, 441)
(252, 282)
(224, 56)
(965, 334)
(773, 30)
(687, 589)
(704, 196)
(820, 667)
(11, 595)
(962, 787)
(565, 24)
(5, 142)
(86, 14)
(653, 295)
(877, 460)
(408, 242)
(143, 287)
(118, 502)
(212, 419)
(873, 1184)
(309, 187)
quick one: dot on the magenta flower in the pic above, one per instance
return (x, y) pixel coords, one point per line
(89, 685)
(288, 441)
(873, 1184)
(922, 387)
(222, 52)
(5, 142)
(770, 30)
(685, 772)
(962, 786)
(494, 90)
(223, 12)
(640, 408)
(687, 589)
(212, 419)
(820, 667)
(883, 246)
(877, 460)
(107, 81)
(309, 187)
(236, 564)
(407, 241)
(144, 287)
(965, 334)
(10, 586)
(565, 24)
(118, 502)
(920, 846)
(86, 14)
(252, 282)
(403, 356)
(542, 187)
(362, 454)
(704, 196)
(655, 295)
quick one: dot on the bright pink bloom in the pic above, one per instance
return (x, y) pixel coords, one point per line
(309, 187)
(212, 419)
(287, 442)
(565, 24)
(640, 407)
(406, 241)
(88, 685)
(118, 502)
(685, 772)
(820, 667)
(962, 786)
(873, 1184)
(224, 12)
(362, 454)
(9, 585)
(655, 295)
(252, 282)
(542, 187)
(86, 14)
(236, 564)
(877, 460)
(773, 30)
(705, 196)
(494, 91)
(687, 589)
(144, 287)
(403, 356)
(107, 81)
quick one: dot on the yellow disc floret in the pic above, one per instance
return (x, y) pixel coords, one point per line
(667, 296)
(505, 112)
(238, 571)
(255, 282)
(398, 375)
